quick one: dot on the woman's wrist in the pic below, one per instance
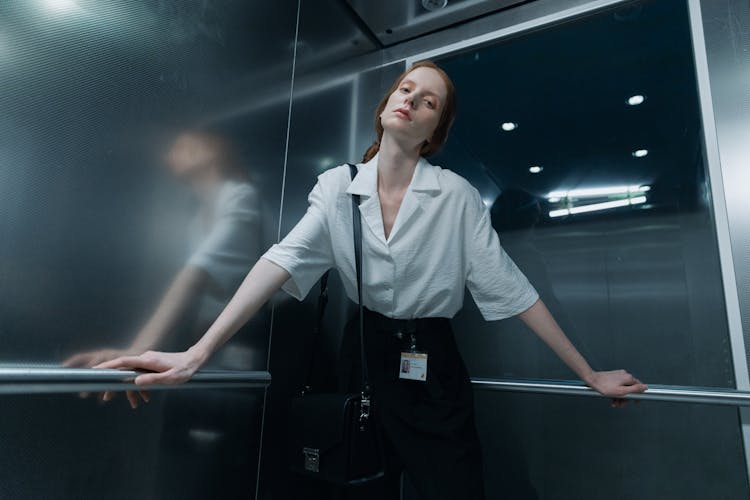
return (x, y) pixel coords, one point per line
(589, 378)
(198, 355)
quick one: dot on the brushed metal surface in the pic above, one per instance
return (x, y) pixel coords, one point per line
(394, 21)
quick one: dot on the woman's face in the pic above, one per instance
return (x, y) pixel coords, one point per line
(413, 111)
(189, 155)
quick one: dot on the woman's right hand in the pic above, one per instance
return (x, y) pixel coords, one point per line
(89, 359)
(168, 368)
(165, 367)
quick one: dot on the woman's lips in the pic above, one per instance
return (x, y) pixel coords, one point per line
(403, 113)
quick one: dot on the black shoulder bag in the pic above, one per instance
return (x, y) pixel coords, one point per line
(333, 437)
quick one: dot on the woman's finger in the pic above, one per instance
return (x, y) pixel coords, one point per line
(145, 396)
(143, 362)
(132, 399)
(156, 378)
(638, 387)
(126, 362)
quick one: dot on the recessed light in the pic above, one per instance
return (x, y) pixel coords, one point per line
(508, 126)
(535, 169)
(635, 100)
(640, 153)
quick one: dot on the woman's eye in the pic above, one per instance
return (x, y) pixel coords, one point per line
(430, 104)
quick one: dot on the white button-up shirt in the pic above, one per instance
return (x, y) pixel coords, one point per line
(441, 243)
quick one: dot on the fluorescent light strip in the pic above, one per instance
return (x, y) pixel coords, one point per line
(597, 206)
(601, 191)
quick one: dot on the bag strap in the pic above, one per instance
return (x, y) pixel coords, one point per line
(357, 222)
(323, 302)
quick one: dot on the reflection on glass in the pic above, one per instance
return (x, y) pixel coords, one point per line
(99, 246)
(224, 237)
(614, 227)
(140, 175)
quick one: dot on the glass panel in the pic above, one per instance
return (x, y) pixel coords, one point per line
(142, 147)
(140, 171)
(619, 243)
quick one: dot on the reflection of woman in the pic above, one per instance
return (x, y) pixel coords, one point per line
(224, 240)
(426, 236)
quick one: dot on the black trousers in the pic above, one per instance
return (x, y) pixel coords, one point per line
(428, 427)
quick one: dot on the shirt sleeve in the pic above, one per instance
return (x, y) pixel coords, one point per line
(305, 253)
(232, 245)
(499, 288)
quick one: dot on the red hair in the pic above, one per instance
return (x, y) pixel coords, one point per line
(446, 117)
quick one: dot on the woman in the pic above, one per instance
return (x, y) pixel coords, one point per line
(426, 236)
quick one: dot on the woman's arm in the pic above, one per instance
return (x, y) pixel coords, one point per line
(612, 383)
(263, 280)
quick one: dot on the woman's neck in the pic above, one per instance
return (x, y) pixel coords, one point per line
(396, 164)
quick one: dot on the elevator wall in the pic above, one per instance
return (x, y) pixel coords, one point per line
(140, 178)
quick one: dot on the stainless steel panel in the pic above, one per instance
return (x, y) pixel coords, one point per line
(542, 446)
(723, 38)
(394, 21)
(725, 26)
(637, 286)
(121, 125)
(103, 207)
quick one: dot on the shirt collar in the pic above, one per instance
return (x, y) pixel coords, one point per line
(366, 181)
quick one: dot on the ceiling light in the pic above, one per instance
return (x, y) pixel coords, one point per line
(597, 206)
(535, 169)
(325, 163)
(640, 153)
(508, 126)
(635, 100)
(596, 192)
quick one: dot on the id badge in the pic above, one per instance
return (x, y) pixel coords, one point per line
(413, 366)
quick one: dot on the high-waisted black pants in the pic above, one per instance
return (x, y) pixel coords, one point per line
(428, 427)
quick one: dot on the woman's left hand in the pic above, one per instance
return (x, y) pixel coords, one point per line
(615, 384)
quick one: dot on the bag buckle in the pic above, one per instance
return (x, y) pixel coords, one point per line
(364, 411)
(312, 459)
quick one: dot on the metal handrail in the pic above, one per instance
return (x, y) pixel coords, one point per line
(672, 393)
(55, 379)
